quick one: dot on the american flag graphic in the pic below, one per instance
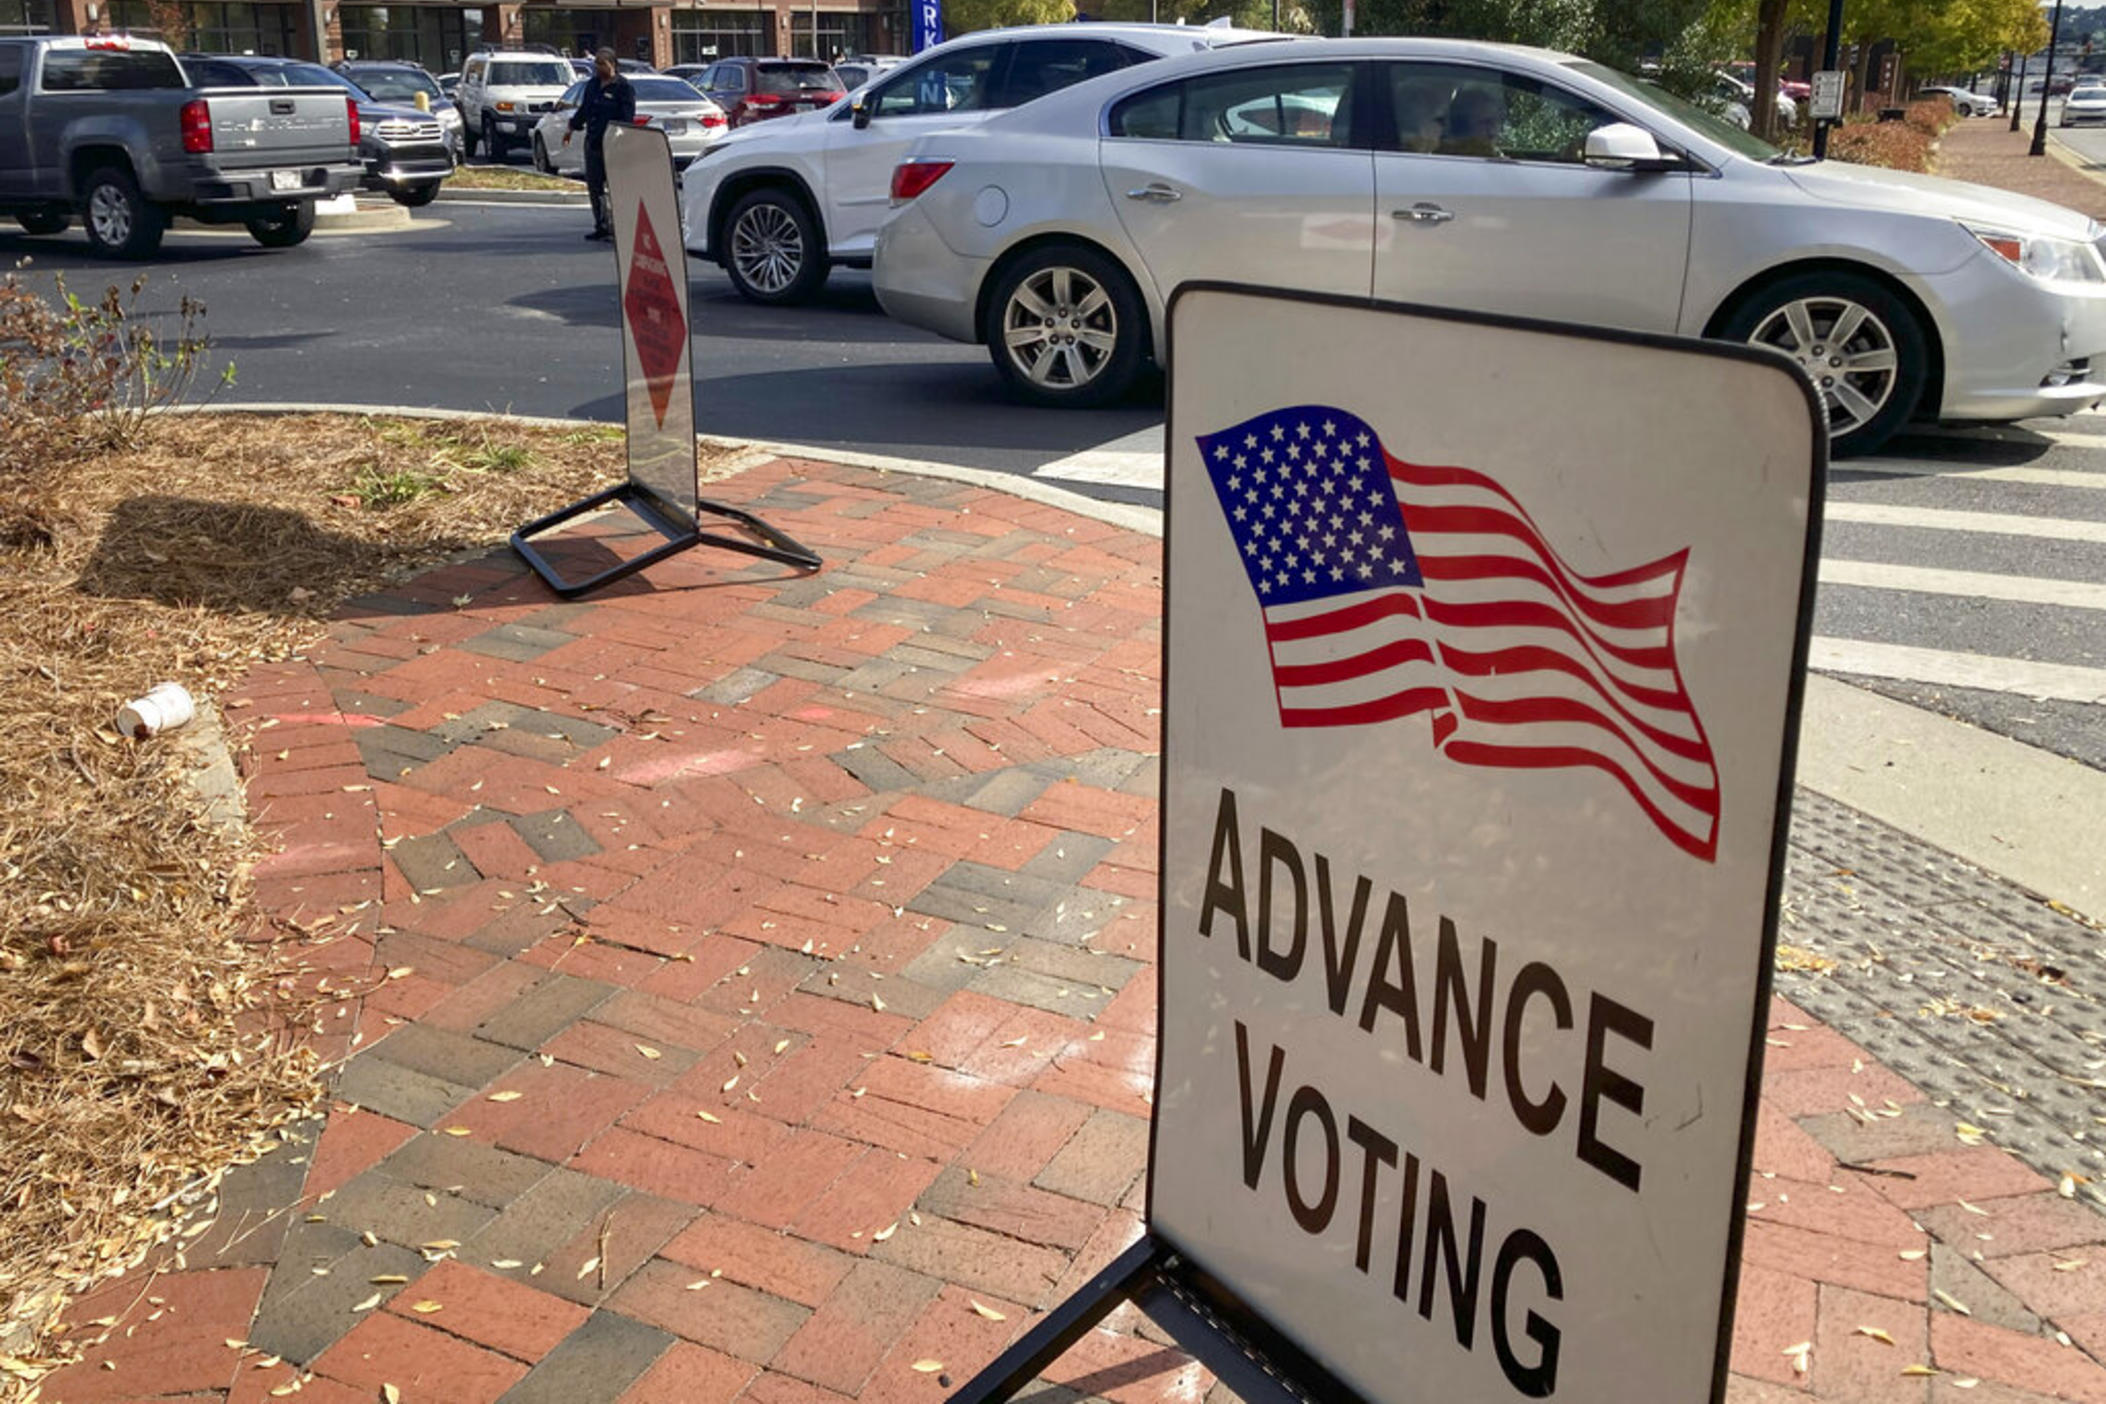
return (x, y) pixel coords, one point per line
(1390, 589)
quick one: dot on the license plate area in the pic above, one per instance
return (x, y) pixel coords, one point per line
(673, 126)
(285, 180)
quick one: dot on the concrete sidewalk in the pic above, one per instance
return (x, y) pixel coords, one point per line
(746, 989)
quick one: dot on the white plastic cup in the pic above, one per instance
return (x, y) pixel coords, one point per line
(167, 707)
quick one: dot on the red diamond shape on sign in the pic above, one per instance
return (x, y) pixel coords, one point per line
(655, 323)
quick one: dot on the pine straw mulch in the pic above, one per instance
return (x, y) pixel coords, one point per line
(145, 1047)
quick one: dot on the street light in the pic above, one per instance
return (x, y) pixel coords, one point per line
(1831, 55)
(2047, 84)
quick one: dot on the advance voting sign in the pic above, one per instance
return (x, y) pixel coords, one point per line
(1482, 668)
(651, 272)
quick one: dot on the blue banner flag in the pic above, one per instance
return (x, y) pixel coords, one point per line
(928, 23)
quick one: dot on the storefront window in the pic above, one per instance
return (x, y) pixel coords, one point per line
(840, 34)
(216, 26)
(700, 36)
(28, 16)
(437, 37)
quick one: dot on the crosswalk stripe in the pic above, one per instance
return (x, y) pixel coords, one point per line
(1945, 519)
(1970, 584)
(1133, 461)
(1960, 473)
(2060, 682)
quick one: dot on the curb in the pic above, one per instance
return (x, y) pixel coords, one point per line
(513, 197)
(1145, 520)
(2090, 170)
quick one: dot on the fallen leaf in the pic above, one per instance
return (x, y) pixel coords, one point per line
(506, 1096)
(980, 1309)
(784, 1043)
(698, 1284)
(1910, 1255)
(391, 1394)
(712, 1120)
(730, 1083)
(2067, 1187)
(1950, 1300)
(427, 1307)
(886, 1232)
(369, 1303)
(649, 1052)
(590, 1264)
(506, 1264)
(401, 971)
(927, 1367)
(1876, 1334)
(457, 1131)
(388, 1279)
(1015, 1042)
(917, 1056)
(1919, 1370)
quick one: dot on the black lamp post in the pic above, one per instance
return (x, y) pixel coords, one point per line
(2018, 99)
(2047, 84)
(1831, 55)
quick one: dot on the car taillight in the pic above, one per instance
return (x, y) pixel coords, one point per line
(712, 119)
(351, 111)
(910, 178)
(197, 126)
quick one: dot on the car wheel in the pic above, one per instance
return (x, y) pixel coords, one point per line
(1862, 346)
(541, 161)
(416, 197)
(288, 226)
(1067, 327)
(120, 222)
(493, 145)
(44, 223)
(773, 249)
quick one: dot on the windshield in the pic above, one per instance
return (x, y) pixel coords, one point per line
(304, 75)
(662, 90)
(396, 85)
(783, 79)
(551, 73)
(1705, 124)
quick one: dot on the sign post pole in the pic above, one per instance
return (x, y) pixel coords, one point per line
(663, 487)
(1478, 741)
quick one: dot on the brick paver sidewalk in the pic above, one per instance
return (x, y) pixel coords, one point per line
(752, 990)
(1986, 151)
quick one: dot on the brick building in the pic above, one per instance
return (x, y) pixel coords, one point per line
(440, 35)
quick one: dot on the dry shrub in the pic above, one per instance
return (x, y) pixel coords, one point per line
(144, 1026)
(78, 378)
(1899, 146)
(1932, 116)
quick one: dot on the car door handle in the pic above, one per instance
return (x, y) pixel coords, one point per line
(1156, 193)
(1424, 212)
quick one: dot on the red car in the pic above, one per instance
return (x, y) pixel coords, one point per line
(1794, 89)
(754, 89)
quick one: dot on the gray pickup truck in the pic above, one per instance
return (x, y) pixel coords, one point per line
(110, 128)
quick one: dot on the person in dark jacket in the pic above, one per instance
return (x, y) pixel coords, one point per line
(608, 98)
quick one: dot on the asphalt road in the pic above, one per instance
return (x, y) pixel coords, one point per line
(510, 308)
(1964, 571)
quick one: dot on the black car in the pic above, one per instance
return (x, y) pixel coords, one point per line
(405, 151)
(753, 89)
(400, 83)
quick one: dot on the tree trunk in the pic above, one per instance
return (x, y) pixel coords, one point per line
(1769, 52)
(1861, 80)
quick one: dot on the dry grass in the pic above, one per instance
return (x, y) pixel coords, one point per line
(143, 1014)
(510, 178)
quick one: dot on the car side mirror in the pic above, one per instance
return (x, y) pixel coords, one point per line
(1619, 146)
(859, 114)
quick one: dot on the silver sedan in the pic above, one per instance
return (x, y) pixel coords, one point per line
(1493, 179)
(689, 120)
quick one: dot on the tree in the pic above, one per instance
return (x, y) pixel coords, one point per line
(963, 16)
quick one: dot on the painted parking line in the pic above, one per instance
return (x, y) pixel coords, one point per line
(2060, 682)
(1944, 519)
(1969, 584)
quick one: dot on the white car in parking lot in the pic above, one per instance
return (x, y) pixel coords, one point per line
(2086, 103)
(1964, 102)
(777, 203)
(689, 120)
(1494, 179)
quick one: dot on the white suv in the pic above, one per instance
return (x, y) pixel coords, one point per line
(503, 93)
(778, 203)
